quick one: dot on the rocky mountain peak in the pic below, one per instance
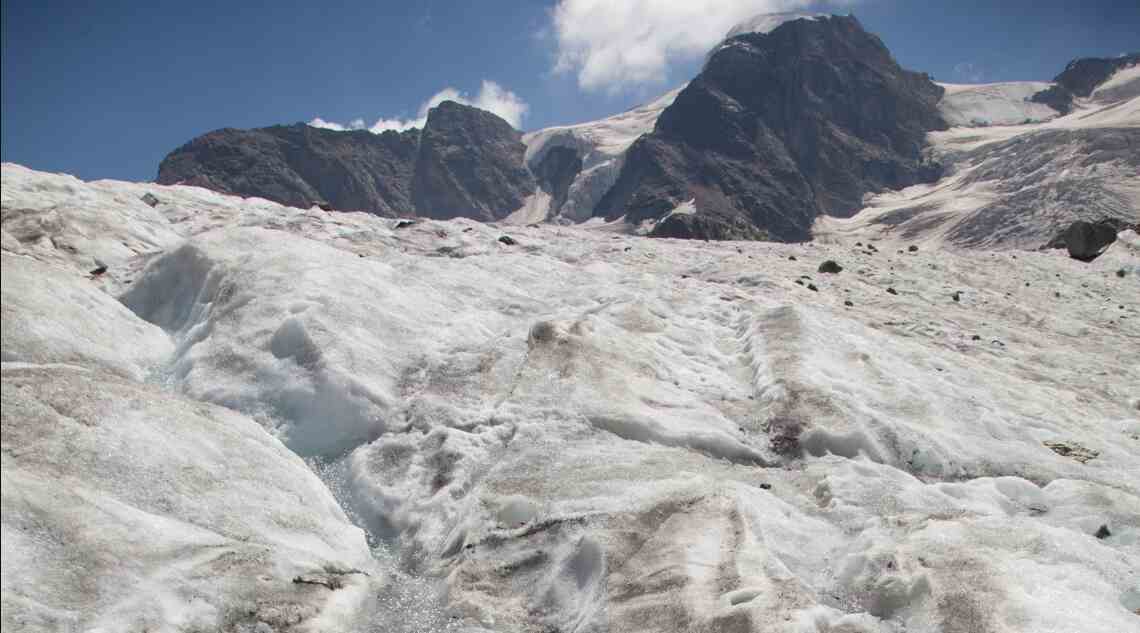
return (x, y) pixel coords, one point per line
(780, 127)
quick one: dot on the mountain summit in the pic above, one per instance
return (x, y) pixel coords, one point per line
(794, 120)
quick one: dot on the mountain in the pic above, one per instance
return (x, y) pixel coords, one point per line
(780, 127)
(1080, 78)
(302, 166)
(470, 165)
(1019, 185)
(464, 163)
(252, 417)
(796, 123)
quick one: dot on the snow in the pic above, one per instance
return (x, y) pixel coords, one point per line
(126, 508)
(1123, 84)
(54, 315)
(767, 22)
(601, 145)
(1014, 186)
(584, 430)
(994, 104)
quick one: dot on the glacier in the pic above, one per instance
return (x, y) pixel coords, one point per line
(260, 418)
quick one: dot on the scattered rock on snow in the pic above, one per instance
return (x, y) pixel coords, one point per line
(830, 266)
(892, 291)
(1072, 449)
(957, 296)
(912, 248)
(150, 199)
(1103, 532)
(508, 240)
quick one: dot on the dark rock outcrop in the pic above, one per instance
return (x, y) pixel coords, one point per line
(556, 172)
(1087, 240)
(1080, 78)
(302, 166)
(470, 165)
(466, 162)
(777, 129)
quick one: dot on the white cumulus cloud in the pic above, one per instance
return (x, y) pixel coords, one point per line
(491, 97)
(615, 44)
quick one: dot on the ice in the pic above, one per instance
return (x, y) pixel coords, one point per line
(581, 430)
(994, 104)
(126, 508)
(1012, 186)
(52, 314)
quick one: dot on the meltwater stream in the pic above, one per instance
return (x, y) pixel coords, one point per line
(406, 602)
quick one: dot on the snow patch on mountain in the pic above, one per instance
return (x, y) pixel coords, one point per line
(601, 145)
(1015, 186)
(994, 104)
(768, 22)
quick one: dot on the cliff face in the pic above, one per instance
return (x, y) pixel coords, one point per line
(470, 164)
(302, 166)
(465, 163)
(778, 128)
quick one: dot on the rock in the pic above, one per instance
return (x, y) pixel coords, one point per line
(892, 291)
(508, 240)
(1103, 532)
(1085, 241)
(957, 296)
(848, 303)
(1073, 450)
(812, 288)
(779, 128)
(404, 223)
(150, 199)
(470, 165)
(301, 166)
(1120, 272)
(98, 270)
(830, 266)
(466, 162)
(912, 248)
(792, 258)
(976, 337)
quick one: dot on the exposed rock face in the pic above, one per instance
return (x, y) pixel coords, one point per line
(557, 171)
(1086, 240)
(470, 165)
(302, 166)
(1080, 78)
(465, 163)
(780, 128)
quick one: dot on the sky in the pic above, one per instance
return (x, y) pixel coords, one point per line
(105, 90)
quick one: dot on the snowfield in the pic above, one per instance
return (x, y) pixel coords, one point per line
(578, 431)
(1015, 185)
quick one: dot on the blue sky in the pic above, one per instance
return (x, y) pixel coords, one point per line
(105, 90)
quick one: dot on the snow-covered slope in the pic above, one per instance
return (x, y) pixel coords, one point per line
(1017, 186)
(601, 145)
(579, 431)
(994, 104)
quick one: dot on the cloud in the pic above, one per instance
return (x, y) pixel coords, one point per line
(615, 44)
(491, 97)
